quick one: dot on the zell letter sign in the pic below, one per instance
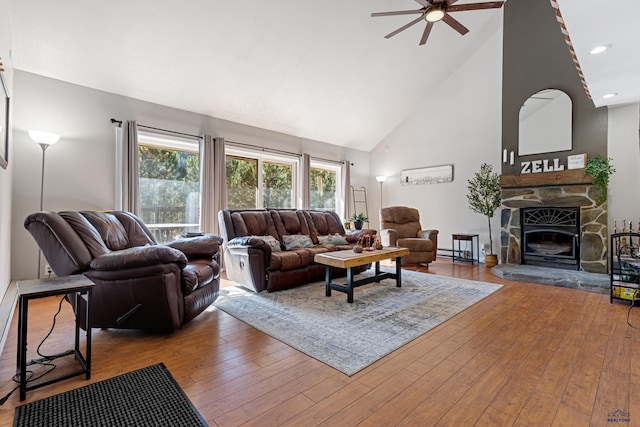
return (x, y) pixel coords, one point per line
(536, 166)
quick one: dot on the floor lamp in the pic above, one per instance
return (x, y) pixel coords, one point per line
(381, 179)
(44, 139)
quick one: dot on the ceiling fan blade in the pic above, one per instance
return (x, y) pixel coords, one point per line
(404, 27)
(475, 6)
(425, 3)
(453, 23)
(425, 35)
(398, 12)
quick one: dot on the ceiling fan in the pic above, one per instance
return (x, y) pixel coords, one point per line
(433, 11)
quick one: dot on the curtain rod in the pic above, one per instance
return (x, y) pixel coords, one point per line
(119, 122)
(340, 162)
(273, 150)
(255, 147)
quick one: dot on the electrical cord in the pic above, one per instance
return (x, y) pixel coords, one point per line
(45, 360)
(633, 301)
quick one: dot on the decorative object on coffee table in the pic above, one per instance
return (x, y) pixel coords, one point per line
(484, 197)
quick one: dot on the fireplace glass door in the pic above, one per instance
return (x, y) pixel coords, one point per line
(551, 237)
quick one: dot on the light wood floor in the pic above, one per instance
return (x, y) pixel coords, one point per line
(526, 355)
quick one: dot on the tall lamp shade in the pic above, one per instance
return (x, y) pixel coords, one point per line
(44, 139)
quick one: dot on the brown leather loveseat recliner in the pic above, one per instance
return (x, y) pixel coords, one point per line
(139, 284)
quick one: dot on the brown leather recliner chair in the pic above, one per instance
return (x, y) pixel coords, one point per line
(139, 284)
(401, 227)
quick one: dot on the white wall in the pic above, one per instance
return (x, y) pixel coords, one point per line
(459, 124)
(80, 168)
(6, 174)
(624, 148)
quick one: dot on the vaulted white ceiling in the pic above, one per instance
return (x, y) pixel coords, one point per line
(592, 23)
(315, 69)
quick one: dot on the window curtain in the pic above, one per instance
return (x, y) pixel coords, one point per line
(213, 183)
(130, 168)
(347, 196)
(305, 181)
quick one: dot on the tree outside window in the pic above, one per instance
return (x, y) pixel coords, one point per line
(169, 190)
(277, 185)
(242, 183)
(260, 182)
(323, 189)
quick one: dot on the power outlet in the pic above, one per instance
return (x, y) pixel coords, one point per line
(47, 269)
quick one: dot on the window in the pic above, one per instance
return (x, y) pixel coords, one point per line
(259, 180)
(242, 182)
(169, 185)
(325, 185)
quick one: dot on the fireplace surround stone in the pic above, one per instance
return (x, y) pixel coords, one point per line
(593, 221)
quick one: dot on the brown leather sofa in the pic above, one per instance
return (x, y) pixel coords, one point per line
(401, 227)
(252, 262)
(139, 284)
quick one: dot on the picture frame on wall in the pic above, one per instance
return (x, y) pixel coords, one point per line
(4, 122)
(429, 175)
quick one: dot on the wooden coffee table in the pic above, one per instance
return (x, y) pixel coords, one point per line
(348, 259)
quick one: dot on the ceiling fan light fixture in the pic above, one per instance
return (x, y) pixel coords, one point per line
(434, 14)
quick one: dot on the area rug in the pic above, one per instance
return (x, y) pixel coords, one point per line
(350, 337)
(146, 397)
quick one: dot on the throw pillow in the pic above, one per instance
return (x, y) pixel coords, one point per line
(333, 239)
(271, 241)
(297, 241)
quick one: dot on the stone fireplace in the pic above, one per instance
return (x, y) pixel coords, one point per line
(583, 247)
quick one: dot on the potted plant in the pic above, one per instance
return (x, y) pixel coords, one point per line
(600, 169)
(358, 219)
(484, 197)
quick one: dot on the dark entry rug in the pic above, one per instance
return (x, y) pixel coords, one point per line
(147, 397)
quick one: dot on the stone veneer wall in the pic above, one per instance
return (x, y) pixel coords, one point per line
(593, 221)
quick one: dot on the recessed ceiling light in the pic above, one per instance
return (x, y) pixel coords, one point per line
(609, 95)
(599, 49)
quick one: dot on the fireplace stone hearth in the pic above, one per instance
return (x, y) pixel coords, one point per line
(572, 279)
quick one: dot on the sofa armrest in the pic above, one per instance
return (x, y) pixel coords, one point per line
(388, 237)
(139, 256)
(429, 234)
(206, 246)
(250, 242)
(247, 261)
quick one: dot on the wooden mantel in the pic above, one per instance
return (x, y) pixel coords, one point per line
(566, 177)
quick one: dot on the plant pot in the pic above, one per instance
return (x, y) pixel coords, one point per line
(357, 225)
(490, 260)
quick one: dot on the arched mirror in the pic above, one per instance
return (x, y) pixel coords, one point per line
(545, 123)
